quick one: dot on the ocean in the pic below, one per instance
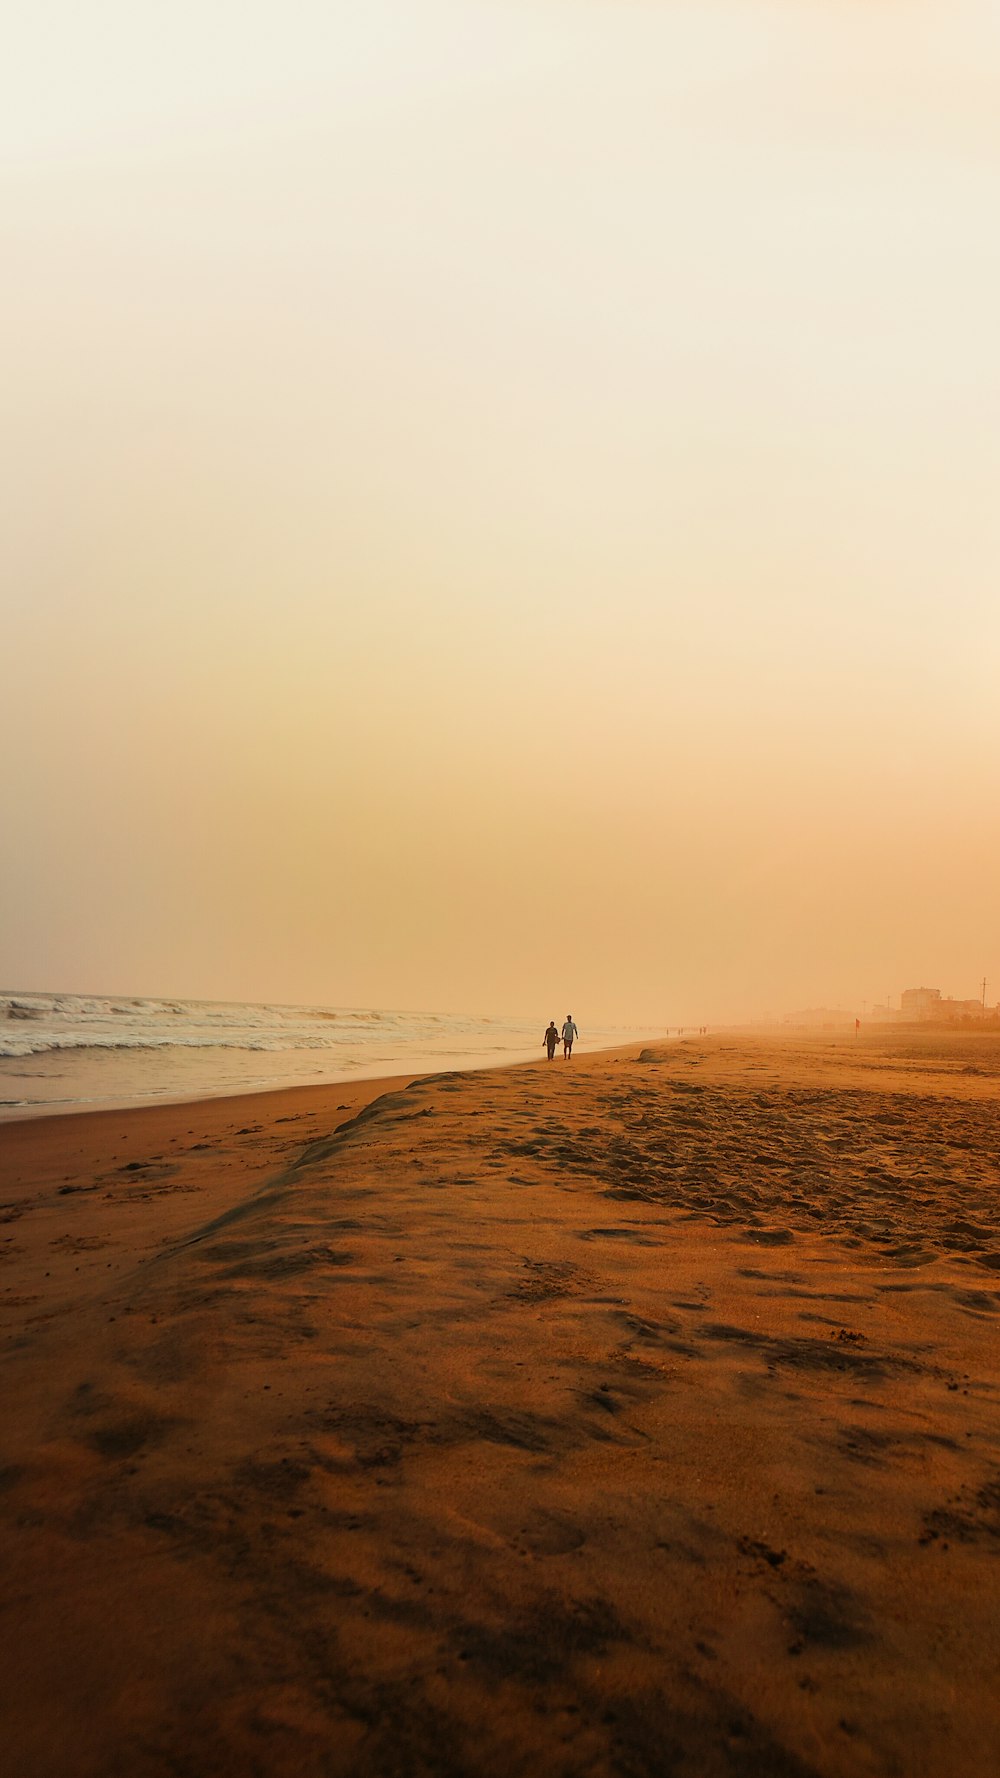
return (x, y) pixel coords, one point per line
(66, 1052)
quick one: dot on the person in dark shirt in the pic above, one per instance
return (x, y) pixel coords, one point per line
(551, 1038)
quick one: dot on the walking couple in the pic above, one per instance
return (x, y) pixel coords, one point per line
(551, 1038)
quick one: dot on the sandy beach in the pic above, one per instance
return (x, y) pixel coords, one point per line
(633, 1416)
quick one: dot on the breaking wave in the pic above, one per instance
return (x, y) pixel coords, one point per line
(67, 1051)
(33, 1024)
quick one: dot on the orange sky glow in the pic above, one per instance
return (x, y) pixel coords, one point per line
(501, 503)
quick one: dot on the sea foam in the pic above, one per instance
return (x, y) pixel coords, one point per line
(60, 1051)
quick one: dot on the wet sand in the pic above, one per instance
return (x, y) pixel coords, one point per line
(633, 1416)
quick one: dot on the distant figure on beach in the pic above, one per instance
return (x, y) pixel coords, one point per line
(569, 1031)
(551, 1038)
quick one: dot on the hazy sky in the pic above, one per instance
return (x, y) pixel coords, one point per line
(501, 502)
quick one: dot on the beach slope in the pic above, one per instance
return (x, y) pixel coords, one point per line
(633, 1415)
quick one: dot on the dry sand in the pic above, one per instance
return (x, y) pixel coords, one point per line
(625, 1416)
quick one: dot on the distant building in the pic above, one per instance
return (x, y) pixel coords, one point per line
(920, 1003)
(965, 1009)
(917, 1006)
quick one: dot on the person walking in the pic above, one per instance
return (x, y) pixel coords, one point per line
(569, 1031)
(551, 1038)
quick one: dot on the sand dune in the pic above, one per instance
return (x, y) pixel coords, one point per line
(630, 1416)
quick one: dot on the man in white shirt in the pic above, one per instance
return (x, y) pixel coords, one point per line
(569, 1031)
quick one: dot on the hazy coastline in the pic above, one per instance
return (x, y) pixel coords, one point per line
(530, 1420)
(69, 1052)
(500, 513)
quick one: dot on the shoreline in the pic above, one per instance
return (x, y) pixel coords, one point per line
(38, 1113)
(13, 1113)
(540, 1419)
(70, 1157)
